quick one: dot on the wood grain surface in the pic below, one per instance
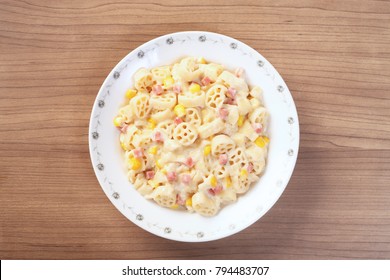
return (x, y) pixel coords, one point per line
(333, 55)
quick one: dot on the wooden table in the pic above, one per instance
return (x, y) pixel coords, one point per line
(334, 56)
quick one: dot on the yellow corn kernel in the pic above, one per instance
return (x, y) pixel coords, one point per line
(189, 201)
(194, 88)
(135, 163)
(266, 139)
(174, 206)
(168, 82)
(213, 181)
(153, 150)
(159, 164)
(201, 60)
(153, 184)
(118, 121)
(260, 142)
(244, 173)
(207, 150)
(179, 110)
(164, 171)
(228, 182)
(240, 121)
(131, 93)
(123, 146)
(152, 123)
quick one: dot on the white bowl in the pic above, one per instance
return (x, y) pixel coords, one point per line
(106, 153)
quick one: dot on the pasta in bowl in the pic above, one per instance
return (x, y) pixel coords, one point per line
(198, 140)
(194, 135)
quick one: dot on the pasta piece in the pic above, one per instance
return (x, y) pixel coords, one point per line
(211, 70)
(208, 129)
(228, 195)
(189, 99)
(222, 144)
(185, 134)
(244, 105)
(163, 115)
(143, 80)
(127, 113)
(164, 196)
(220, 171)
(248, 131)
(141, 105)
(259, 115)
(160, 73)
(204, 205)
(142, 139)
(208, 115)
(237, 158)
(215, 96)
(163, 101)
(230, 129)
(127, 138)
(193, 117)
(233, 114)
(239, 139)
(167, 128)
(257, 93)
(230, 80)
(255, 103)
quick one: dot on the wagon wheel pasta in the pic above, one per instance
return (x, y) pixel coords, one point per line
(193, 134)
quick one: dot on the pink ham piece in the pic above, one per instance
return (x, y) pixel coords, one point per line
(231, 93)
(217, 190)
(206, 81)
(250, 167)
(177, 88)
(239, 71)
(158, 137)
(149, 174)
(189, 162)
(223, 113)
(123, 129)
(178, 120)
(258, 127)
(223, 159)
(171, 176)
(157, 89)
(138, 153)
(186, 178)
(180, 200)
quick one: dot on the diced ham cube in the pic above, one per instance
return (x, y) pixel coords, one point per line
(239, 71)
(177, 88)
(157, 89)
(186, 178)
(231, 93)
(158, 137)
(223, 113)
(214, 191)
(250, 167)
(223, 159)
(138, 153)
(178, 120)
(206, 81)
(218, 189)
(149, 174)
(189, 162)
(180, 200)
(123, 129)
(258, 127)
(171, 176)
